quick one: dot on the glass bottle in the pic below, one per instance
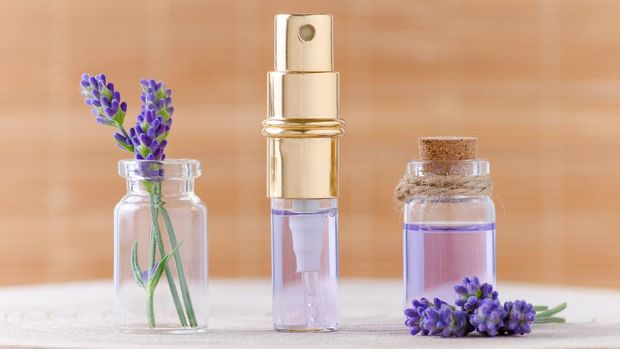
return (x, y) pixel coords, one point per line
(303, 128)
(160, 249)
(447, 237)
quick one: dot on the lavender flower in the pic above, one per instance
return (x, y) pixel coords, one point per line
(480, 310)
(519, 316)
(471, 293)
(107, 106)
(154, 121)
(146, 274)
(489, 318)
(445, 321)
(415, 315)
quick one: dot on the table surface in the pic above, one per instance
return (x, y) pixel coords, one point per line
(78, 315)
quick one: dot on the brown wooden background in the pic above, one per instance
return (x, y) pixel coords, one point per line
(537, 81)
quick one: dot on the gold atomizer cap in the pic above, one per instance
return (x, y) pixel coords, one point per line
(303, 123)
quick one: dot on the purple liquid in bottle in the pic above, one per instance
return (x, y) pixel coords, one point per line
(438, 256)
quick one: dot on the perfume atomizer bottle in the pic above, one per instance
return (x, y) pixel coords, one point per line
(302, 130)
(449, 218)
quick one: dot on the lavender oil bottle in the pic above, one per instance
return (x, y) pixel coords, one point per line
(449, 218)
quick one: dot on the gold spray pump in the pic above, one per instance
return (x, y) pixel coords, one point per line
(302, 130)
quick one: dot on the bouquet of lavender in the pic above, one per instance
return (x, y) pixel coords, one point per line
(477, 308)
(146, 141)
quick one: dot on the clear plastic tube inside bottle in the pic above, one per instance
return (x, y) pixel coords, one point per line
(305, 264)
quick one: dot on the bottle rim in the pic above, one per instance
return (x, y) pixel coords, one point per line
(169, 169)
(470, 167)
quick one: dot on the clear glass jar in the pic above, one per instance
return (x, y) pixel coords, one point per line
(447, 238)
(160, 249)
(304, 237)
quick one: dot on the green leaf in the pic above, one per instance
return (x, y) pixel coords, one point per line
(538, 308)
(135, 267)
(125, 146)
(154, 279)
(145, 125)
(106, 92)
(144, 150)
(119, 117)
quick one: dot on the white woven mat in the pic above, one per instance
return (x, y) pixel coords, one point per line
(78, 315)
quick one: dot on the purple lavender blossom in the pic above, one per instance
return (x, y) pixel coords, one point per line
(480, 310)
(107, 106)
(445, 321)
(519, 316)
(146, 274)
(471, 293)
(415, 316)
(154, 121)
(488, 318)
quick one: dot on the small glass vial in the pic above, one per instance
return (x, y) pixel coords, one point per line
(160, 249)
(449, 219)
(304, 235)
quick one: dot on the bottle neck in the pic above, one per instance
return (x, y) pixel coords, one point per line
(461, 168)
(166, 187)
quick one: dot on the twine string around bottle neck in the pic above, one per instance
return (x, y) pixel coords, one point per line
(439, 186)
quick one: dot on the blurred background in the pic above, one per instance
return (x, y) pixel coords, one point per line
(538, 82)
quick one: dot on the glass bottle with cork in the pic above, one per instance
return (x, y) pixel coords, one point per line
(449, 218)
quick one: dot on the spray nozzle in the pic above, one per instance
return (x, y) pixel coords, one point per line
(304, 43)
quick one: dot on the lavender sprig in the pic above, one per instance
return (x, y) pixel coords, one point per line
(106, 105)
(154, 121)
(480, 310)
(149, 138)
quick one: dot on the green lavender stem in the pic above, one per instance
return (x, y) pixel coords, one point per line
(179, 264)
(150, 313)
(544, 315)
(151, 284)
(551, 312)
(155, 202)
(122, 129)
(127, 146)
(550, 320)
(152, 250)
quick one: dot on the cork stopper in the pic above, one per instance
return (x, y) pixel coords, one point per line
(447, 148)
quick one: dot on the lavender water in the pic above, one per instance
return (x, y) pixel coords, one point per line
(440, 255)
